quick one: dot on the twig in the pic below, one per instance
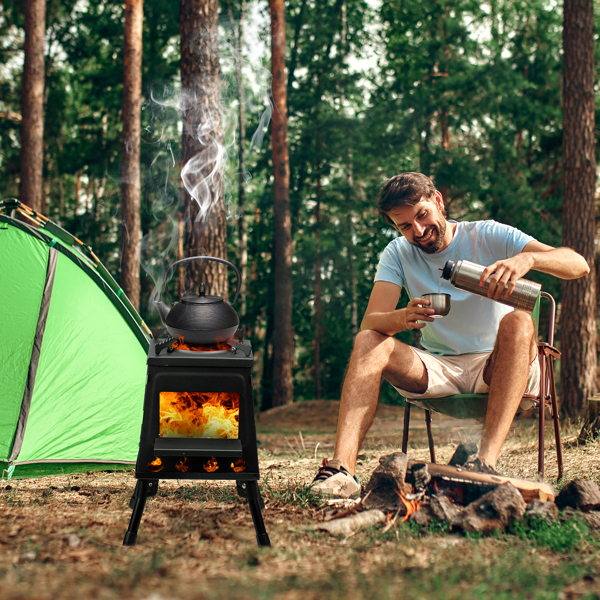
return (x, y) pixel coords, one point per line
(316, 448)
(290, 445)
(392, 521)
(348, 510)
(302, 441)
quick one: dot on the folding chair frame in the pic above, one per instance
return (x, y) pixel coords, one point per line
(546, 397)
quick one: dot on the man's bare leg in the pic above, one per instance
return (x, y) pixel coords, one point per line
(506, 374)
(374, 355)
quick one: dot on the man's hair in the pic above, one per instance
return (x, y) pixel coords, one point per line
(405, 189)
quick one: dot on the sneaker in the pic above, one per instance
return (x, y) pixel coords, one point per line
(333, 480)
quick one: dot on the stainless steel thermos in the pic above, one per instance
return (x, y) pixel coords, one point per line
(465, 275)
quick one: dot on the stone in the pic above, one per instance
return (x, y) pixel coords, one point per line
(581, 494)
(495, 510)
(463, 454)
(592, 519)
(421, 517)
(543, 510)
(386, 481)
(443, 509)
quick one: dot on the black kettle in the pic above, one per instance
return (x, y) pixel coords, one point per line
(200, 319)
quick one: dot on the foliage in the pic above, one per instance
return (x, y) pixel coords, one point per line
(468, 93)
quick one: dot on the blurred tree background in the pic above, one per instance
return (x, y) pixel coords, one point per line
(466, 92)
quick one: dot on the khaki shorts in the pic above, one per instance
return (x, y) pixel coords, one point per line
(463, 374)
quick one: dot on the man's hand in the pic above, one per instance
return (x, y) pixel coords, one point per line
(505, 274)
(416, 310)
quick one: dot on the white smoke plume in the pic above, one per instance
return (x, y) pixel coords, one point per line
(162, 113)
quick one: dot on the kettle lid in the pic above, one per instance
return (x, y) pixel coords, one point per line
(202, 298)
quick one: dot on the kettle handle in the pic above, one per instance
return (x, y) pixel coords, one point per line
(194, 258)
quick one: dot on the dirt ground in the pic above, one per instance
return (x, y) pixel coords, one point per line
(61, 536)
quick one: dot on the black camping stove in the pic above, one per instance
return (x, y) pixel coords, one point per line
(198, 424)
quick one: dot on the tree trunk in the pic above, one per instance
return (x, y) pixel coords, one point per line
(283, 340)
(318, 304)
(32, 106)
(351, 201)
(180, 238)
(202, 143)
(77, 194)
(591, 427)
(131, 227)
(578, 312)
(242, 226)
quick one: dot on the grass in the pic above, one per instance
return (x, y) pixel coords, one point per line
(556, 536)
(60, 538)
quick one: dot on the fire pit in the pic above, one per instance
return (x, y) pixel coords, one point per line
(198, 423)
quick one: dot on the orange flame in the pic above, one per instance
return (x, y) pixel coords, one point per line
(183, 466)
(156, 465)
(199, 415)
(210, 466)
(219, 345)
(410, 505)
(239, 465)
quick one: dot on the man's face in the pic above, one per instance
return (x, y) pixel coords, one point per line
(423, 224)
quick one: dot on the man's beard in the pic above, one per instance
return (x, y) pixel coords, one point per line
(435, 243)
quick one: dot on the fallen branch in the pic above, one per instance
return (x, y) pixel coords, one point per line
(353, 524)
(348, 510)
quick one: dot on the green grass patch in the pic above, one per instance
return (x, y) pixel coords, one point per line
(558, 537)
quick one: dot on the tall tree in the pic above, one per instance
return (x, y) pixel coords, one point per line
(202, 142)
(578, 297)
(130, 154)
(242, 225)
(32, 105)
(283, 338)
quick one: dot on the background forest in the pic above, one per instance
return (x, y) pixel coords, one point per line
(466, 92)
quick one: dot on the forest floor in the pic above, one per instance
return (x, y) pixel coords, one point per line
(61, 536)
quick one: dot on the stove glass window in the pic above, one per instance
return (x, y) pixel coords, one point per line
(199, 415)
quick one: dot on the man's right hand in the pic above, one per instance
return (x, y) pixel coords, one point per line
(416, 310)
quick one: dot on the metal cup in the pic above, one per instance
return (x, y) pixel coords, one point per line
(440, 303)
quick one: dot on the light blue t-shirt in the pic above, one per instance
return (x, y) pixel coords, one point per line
(473, 321)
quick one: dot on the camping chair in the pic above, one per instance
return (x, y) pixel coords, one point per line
(474, 406)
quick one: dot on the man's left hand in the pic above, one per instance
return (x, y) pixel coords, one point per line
(504, 274)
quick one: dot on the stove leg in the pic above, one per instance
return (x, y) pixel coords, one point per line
(144, 488)
(249, 490)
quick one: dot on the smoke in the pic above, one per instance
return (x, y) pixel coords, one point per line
(216, 158)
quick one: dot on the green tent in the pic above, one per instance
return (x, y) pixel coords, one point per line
(73, 355)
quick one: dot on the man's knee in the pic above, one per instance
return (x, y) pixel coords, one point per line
(516, 326)
(368, 340)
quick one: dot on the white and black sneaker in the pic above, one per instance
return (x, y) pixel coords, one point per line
(334, 480)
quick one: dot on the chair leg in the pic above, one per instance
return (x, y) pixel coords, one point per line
(542, 407)
(406, 425)
(429, 435)
(552, 390)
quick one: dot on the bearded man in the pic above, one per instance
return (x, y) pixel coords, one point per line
(481, 346)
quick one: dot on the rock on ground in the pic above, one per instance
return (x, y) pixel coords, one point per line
(581, 494)
(385, 480)
(494, 510)
(544, 510)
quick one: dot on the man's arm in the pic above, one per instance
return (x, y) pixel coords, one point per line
(563, 263)
(382, 315)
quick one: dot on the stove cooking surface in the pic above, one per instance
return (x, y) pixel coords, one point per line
(234, 353)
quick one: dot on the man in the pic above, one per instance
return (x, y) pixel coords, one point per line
(479, 347)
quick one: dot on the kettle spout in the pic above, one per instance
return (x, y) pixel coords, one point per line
(164, 310)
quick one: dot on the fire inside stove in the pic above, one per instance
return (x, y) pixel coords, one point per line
(199, 415)
(217, 347)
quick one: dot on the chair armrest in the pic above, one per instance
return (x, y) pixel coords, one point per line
(548, 350)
